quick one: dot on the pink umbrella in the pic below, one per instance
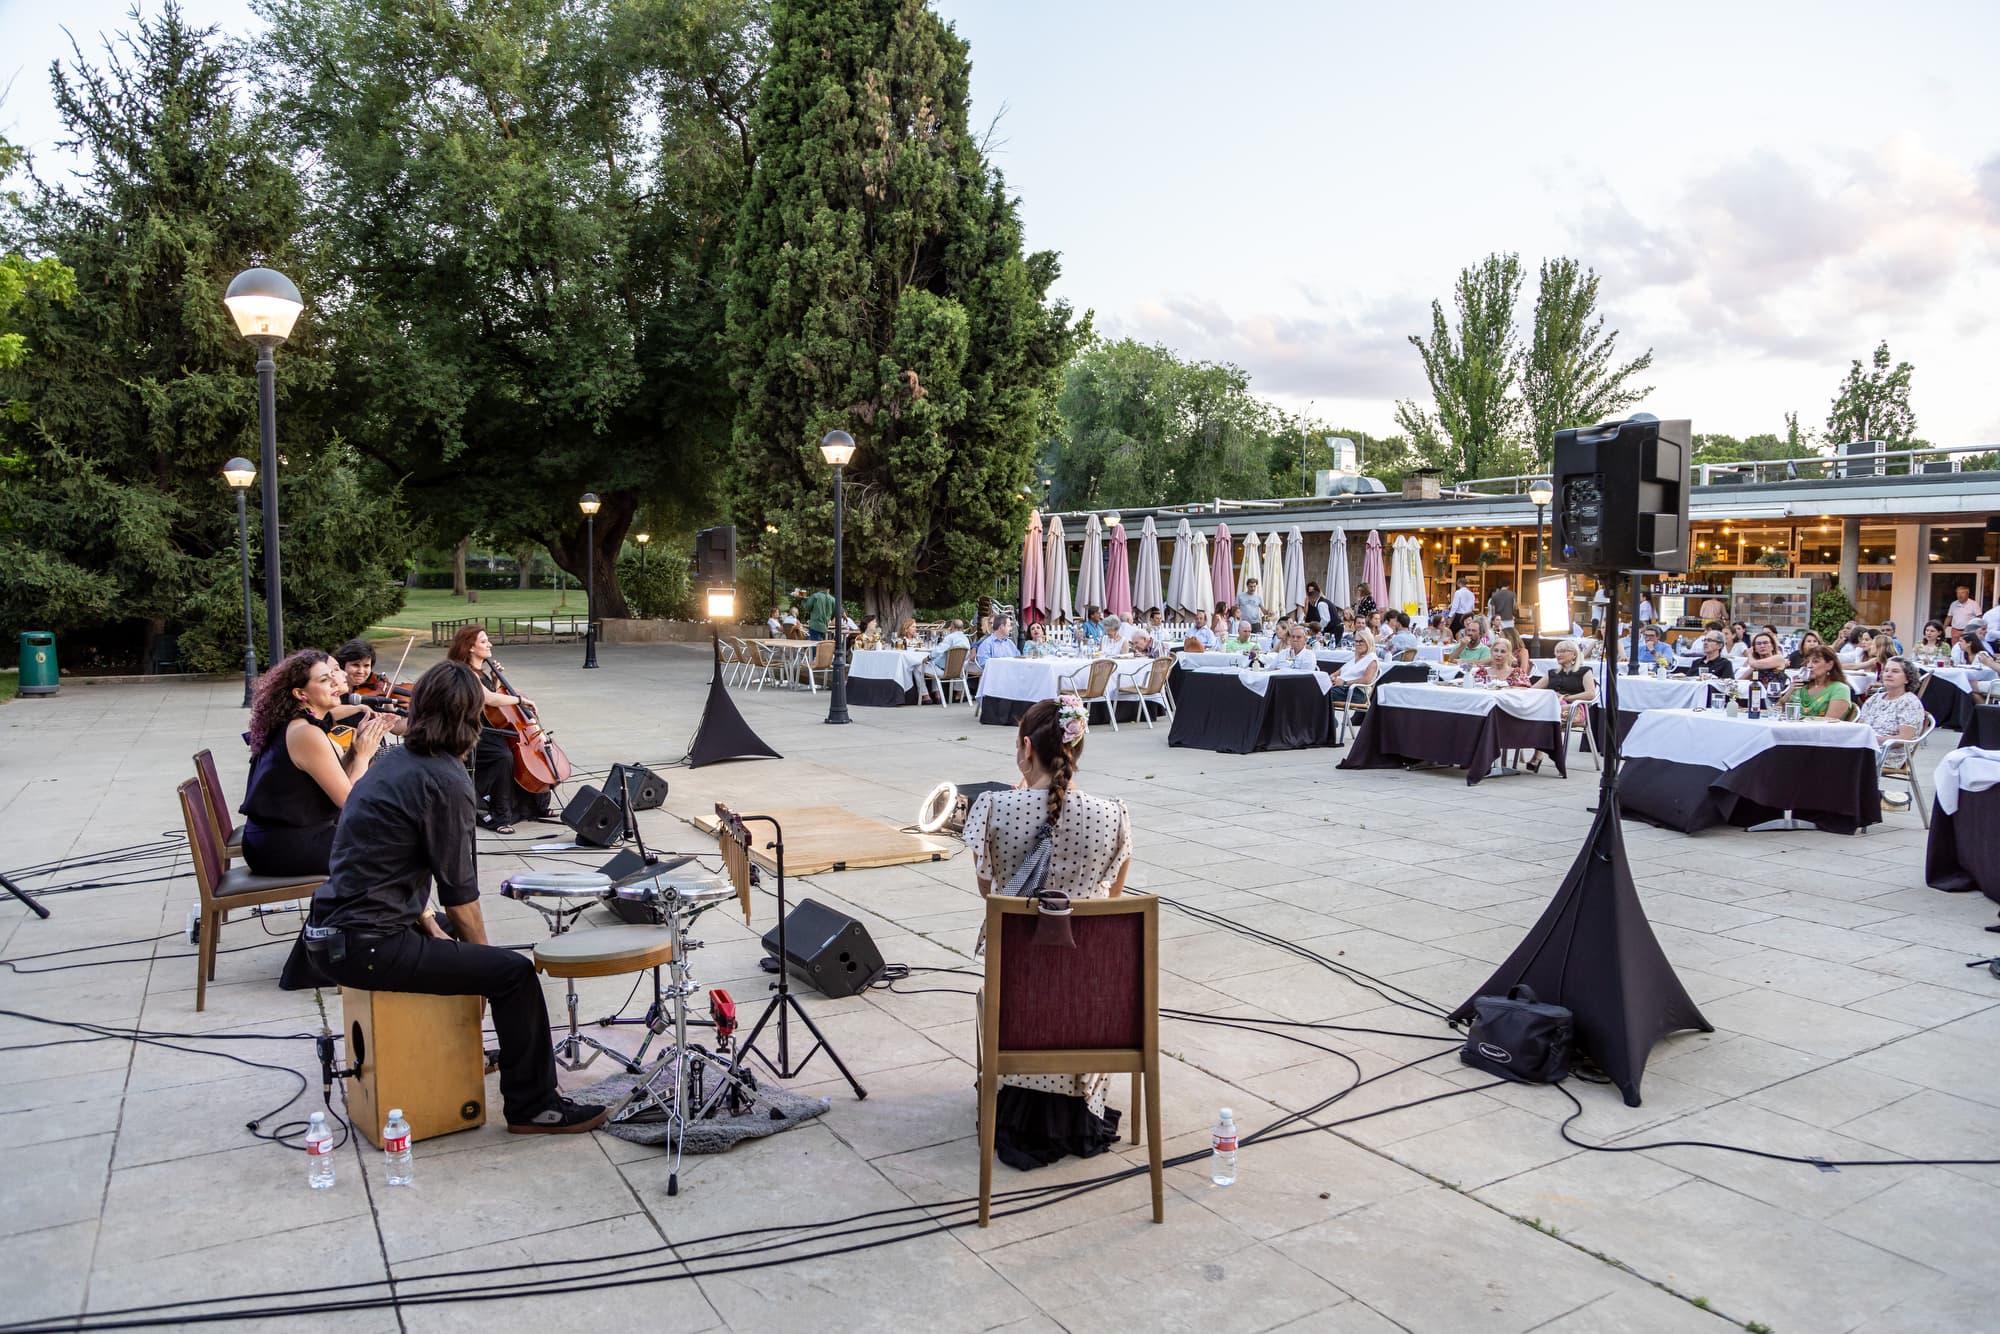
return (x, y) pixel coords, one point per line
(1371, 570)
(1118, 581)
(1222, 575)
(1033, 603)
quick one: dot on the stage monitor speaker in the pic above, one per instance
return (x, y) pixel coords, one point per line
(1621, 496)
(648, 789)
(827, 949)
(423, 1054)
(628, 867)
(596, 819)
(715, 555)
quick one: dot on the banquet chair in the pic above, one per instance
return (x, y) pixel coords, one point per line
(761, 660)
(819, 665)
(729, 659)
(1407, 655)
(1095, 688)
(1153, 688)
(1898, 759)
(1091, 1009)
(218, 807)
(224, 889)
(954, 674)
(1345, 709)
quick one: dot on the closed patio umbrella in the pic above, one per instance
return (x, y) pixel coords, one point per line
(1032, 609)
(1250, 568)
(1118, 579)
(1146, 579)
(1177, 569)
(1273, 576)
(1055, 572)
(1295, 569)
(1221, 562)
(1371, 570)
(1090, 573)
(1339, 583)
(1201, 581)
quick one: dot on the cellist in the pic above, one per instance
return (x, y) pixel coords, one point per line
(493, 760)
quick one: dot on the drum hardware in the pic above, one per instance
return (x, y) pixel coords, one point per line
(573, 891)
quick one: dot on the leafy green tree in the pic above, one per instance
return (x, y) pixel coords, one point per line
(1472, 372)
(1569, 375)
(1142, 427)
(1874, 404)
(114, 522)
(878, 285)
(519, 218)
(23, 281)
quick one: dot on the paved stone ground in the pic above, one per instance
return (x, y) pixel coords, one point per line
(1846, 1026)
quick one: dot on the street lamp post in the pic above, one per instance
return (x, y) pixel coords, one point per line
(589, 505)
(642, 539)
(770, 532)
(240, 475)
(1541, 492)
(837, 447)
(265, 304)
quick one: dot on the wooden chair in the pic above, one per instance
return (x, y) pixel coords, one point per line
(731, 658)
(1345, 709)
(1898, 759)
(954, 677)
(819, 666)
(1153, 688)
(1406, 655)
(219, 814)
(1094, 1009)
(1095, 688)
(223, 890)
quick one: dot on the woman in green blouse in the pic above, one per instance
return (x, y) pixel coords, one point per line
(1824, 693)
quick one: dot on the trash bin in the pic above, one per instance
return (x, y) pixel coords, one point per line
(38, 662)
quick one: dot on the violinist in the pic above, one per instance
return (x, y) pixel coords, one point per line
(367, 686)
(306, 750)
(493, 760)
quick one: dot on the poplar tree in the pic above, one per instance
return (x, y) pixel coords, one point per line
(878, 285)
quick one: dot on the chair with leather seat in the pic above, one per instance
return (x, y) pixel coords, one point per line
(218, 807)
(224, 890)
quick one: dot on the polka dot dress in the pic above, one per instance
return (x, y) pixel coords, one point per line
(1093, 841)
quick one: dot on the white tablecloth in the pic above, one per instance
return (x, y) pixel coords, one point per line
(1212, 659)
(1967, 769)
(1713, 739)
(1958, 676)
(1031, 679)
(1258, 679)
(887, 664)
(1535, 706)
(1636, 694)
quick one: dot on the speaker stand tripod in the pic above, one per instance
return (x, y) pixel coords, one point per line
(783, 1003)
(14, 889)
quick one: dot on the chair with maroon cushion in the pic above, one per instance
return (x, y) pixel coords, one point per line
(1050, 1010)
(222, 890)
(218, 807)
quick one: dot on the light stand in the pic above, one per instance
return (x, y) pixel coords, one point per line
(1541, 492)
(240, 475)
(722, 733)
(589, 505)
(783, 1003)
(838, 449)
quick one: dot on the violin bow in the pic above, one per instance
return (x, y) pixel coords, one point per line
(398, 675)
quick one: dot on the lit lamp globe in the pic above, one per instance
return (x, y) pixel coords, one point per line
(590, 503)
(1540, 493)
(642, 538)
(265, 305)
(240, 473)
(837, 448)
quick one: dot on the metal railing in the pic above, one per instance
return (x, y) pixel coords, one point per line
(514, 629)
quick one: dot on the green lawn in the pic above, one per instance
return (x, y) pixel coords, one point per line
(421, 606)
(10, 685)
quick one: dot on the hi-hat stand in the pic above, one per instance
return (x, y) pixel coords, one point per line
(730, 829)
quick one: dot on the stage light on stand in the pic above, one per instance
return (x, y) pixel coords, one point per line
(1552, 603)
(721, 604)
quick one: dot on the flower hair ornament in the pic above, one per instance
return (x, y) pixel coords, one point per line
(1075, 719)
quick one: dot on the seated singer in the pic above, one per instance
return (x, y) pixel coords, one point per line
(300, 775)
(410, 821)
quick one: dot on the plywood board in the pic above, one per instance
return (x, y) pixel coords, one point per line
(830, 838)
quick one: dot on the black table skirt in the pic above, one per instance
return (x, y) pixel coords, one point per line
(1836, 789)
(1983, 730)
(880, 692)
(1964, 849)
(1391, 737)
(998, 712)
(1952, 707)
(1215, 711)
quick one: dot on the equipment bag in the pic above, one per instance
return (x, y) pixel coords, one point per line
(1518, 1037)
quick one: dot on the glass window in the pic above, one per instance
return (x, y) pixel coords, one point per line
(1971, 545)
(1871, 602)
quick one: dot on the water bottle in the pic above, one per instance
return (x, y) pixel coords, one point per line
(1222, 1160)
(396, 1149)
(319, 1152)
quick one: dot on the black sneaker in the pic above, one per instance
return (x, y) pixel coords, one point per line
(562, 1117)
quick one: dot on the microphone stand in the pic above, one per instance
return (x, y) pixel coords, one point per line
(782, 1001)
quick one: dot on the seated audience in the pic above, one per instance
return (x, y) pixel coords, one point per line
(1893, 710)
(1297, 654)
(1360, 670)
(1574, 682)
(1511, 664)
(999, 644)
(1825, 692)
(1712, 662)
(1766, 664)
(1039, 645)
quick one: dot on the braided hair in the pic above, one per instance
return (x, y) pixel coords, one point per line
(1042, 727)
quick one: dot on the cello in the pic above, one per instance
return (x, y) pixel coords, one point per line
(539, 763)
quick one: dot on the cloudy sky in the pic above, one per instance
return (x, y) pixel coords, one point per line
(1768, 189)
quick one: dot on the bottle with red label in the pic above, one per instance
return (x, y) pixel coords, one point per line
(319, 1152)
(1222, 1161)
(396, 1149)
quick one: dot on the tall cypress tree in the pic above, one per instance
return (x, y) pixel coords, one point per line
(879, 286)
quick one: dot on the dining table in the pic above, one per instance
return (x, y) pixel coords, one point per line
(1008, 686)
(1963, 849)
(886, 677)
(1235, 710)
(1463, 726)
(1695, 769)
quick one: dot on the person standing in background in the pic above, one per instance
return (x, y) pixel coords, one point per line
(1500, 607)
(1462, 603)
(819, 613)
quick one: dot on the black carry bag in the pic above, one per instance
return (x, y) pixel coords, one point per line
(1518, 1037)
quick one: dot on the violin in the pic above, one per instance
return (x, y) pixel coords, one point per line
(539, 763)
(378, 694)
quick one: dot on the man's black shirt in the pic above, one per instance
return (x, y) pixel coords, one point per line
(409, 818)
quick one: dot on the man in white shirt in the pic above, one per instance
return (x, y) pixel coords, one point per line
(1645, 610)
(1251, 605)
(954, 637)
(1462, 603)
(1201, 639)
(1963, 610)
(1296, 656)
(1991, 624)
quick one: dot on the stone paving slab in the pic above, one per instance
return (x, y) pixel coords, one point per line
(1846, 1025)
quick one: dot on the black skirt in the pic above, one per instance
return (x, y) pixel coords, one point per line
(1032, 1128)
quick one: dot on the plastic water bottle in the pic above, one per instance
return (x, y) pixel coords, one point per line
(396, 1149)
(1222, 1160)
(319, 1152)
